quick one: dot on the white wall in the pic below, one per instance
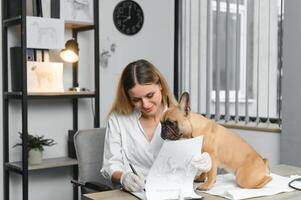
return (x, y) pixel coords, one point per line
(54, 118)
(154, 42)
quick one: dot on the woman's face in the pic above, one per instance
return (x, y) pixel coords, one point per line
(146, 98)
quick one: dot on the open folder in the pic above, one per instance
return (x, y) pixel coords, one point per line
(172, 175)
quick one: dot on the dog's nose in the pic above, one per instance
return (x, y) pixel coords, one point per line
(163, 131)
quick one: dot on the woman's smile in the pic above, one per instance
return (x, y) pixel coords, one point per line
(148, 110)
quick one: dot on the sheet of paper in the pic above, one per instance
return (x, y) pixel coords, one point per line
(171, 175)
(139, 195)
(226, 186)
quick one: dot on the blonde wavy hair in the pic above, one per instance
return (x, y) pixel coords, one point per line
(144, 73)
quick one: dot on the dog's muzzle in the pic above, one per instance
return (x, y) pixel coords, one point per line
(170, 130)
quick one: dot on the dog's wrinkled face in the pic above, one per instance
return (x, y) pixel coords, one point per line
(170, 129)
(175, 121)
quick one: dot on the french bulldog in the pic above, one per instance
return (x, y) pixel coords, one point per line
(227, 149)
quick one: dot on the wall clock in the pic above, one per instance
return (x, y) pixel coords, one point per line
(128, 17)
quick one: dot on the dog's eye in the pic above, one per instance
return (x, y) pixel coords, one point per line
(174, 123)
(167, 121)
(170, 122)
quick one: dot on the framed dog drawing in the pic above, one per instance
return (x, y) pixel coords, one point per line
(73, 11)
(45, 77)
(45, 33)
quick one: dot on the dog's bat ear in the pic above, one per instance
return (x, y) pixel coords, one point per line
(185, 103)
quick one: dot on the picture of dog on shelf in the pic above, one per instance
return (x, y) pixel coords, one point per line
(45, 77)
(81, 8)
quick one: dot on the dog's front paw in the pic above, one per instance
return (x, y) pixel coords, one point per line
(204, 187)
(200, 178)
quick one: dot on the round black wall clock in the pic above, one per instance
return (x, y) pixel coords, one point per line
(128, 17)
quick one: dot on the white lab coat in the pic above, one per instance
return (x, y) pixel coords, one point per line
(126, 142)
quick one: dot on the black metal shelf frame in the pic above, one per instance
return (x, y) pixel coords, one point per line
(24, 97)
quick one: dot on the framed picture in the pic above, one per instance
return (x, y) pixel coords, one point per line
(73, 11)
(45, 77)
(45, 33)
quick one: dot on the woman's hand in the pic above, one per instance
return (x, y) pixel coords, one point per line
(202, 162)
(132, 182)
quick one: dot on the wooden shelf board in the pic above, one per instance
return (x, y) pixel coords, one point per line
(12, 21)
(41, 95)
(66, 93)
(76, 25)
(48, 163)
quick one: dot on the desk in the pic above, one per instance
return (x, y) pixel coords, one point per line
(283, 170)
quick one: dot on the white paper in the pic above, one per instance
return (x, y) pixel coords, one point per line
(44, 77)
(45, 33)
(171, 175)
(226, 186)
(77, 11)
(139, 195)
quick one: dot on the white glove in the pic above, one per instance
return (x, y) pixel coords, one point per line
(132, 182)
(202, 162)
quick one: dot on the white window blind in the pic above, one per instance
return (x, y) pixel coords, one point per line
(230, 59)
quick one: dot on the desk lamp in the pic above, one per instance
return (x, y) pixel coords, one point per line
(71, 55)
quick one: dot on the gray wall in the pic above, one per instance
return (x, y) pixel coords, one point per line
(290, 150)
(265, 143)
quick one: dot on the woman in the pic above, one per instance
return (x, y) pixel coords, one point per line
(133, 128)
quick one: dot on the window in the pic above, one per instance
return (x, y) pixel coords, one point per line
(230, 58)
(227, 39)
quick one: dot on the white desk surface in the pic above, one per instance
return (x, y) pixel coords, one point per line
(283, 170)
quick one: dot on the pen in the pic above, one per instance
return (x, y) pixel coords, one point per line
(135, 172)
(133, 169)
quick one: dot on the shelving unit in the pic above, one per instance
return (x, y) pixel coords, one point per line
(22, 167)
